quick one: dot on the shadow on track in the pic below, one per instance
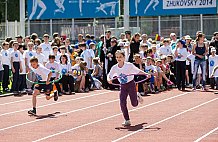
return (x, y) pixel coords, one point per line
(50, 115)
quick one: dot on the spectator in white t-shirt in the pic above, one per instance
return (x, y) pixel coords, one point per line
(213, 62)
(6, 62)
(41, 57)
(165, 49)
(46, 46)
(86, 55)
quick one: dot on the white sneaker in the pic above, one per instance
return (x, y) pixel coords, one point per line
(126, 123)
(139, 97)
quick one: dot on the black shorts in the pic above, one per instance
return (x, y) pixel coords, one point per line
(46, 88)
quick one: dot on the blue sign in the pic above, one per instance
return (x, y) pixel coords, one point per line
(172, 7)
(58, 9)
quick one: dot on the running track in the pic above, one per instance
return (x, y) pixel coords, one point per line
(171, 116)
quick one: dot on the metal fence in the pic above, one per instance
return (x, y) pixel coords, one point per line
(181, 25)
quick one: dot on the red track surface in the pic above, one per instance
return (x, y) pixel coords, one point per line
(171, 116)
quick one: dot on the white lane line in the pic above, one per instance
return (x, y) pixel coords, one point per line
(163, 120)
(93, 122)
(8, 113)
(207, 134)
(81, 109)
(20, 101)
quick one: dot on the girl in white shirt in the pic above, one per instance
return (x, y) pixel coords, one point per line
(128, 87)
(67, 78)
(181, 56)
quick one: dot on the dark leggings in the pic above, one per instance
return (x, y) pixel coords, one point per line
(67, 80)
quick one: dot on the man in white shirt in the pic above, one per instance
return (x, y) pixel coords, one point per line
(46, 46)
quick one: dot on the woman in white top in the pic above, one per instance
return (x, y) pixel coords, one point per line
(67, 78)
(181, 56)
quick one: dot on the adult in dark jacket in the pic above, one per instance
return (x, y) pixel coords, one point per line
(134, 46)
(111, 57)
(214, 42)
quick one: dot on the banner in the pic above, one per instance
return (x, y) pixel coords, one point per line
(172, 7)
(61, 9)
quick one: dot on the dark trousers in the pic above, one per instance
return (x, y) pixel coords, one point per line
(15, 83)
(56, 84)
(22, 82)
(180, 73)
(5, 82)
(128, 89)
(67, 80)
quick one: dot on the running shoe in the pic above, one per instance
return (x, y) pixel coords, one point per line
(126, 123)
(55, 95)
(139, 98)
(32, 112)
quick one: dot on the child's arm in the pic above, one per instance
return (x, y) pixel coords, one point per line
(21, 69)
(12, 66)
(214, 70)
(48, 79)
(144, 73)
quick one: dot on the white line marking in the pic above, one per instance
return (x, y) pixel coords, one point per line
(93, 122)
(81, 109)
(55, 103)
(178, 114)
(207, 134)
(20, 101)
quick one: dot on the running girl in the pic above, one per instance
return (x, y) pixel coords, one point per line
(128, 86)
(43, 75)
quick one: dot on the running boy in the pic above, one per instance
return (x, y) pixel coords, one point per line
(43, 75)
(128, 86)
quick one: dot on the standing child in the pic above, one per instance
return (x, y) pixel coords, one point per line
(16, 67)
(213, 61)
(55, 68)
(28, 54)
(43, 75)
(128, 87)
(22, 76)
(6, 62)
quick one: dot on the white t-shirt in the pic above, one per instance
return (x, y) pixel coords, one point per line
(28, 55)
(150, 69)
(183, 52)
(6, 57)
(16, 56)
(87, 57)
(165, 50)
(54, 67)
(22, 59)
(41, 72)
(46, 49)
(213, 62)
(92, 56)
(192, 58)
(41, 58)
(65, 68)
(127, 69)
(1, 66)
